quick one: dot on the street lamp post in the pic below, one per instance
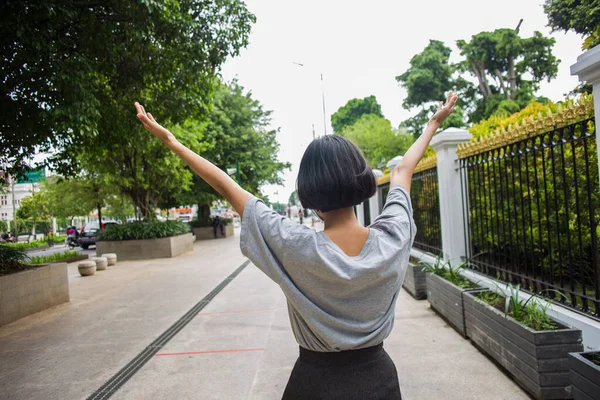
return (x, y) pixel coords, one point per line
(323, 97)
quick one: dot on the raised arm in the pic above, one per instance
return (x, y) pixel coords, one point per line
(213, 175)
(403, 171)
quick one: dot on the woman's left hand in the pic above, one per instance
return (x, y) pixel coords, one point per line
(152, 126)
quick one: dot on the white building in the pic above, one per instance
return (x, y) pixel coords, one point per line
(21, 190)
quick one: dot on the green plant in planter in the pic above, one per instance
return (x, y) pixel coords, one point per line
(144, 230)
(491, 298)
(529, 312)
(11, 259)
(449, 272)
(53, 257)
(593, 357)
(436, 268)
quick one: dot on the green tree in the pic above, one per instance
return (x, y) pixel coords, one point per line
(429, 76)
(72, 69)
(35, 209)
(293, 197)
(236, 132)
(353, 110)
(68, 198)
(378, 141)
(580, 16)
(428, 79)
(119, 207)
(500, 61)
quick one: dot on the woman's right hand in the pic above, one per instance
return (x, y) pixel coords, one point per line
(152, 126)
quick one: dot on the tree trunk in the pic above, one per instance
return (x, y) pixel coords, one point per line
(512, 77)
(501, 82)
(204, 213)
(479, 71)
(100, 216)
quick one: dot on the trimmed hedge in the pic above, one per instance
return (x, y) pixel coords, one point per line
(144, 230)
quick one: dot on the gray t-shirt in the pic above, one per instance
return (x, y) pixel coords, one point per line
(335, 302)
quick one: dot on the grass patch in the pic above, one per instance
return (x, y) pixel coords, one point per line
(53, 257)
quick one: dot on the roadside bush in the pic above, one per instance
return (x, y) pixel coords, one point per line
(144, 230)
(25, 246)
(11, 260)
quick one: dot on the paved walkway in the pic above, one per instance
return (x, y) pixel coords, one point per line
(239, 347)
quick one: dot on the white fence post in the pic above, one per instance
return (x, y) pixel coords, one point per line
(587, 68)
(451, 206)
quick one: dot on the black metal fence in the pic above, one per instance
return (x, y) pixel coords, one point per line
(426, 211)
(533, 208)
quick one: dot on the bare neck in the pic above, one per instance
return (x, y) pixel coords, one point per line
(342, 218)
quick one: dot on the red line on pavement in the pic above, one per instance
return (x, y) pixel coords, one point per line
(239, 311)
(207, 352)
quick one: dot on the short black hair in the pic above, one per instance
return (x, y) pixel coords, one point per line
(334, 174)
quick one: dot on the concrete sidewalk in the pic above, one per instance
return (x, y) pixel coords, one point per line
(239, 347)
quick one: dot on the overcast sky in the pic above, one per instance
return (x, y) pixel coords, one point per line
(360, 47)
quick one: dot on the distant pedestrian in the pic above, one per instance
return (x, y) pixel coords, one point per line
(300, 215)
(217, 224)
(341, 284)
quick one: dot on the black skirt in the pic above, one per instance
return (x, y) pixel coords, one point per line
(364, 374)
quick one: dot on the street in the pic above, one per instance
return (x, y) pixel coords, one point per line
(239, 346)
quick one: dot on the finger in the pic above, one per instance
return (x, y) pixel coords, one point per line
(138, 107)
(452, 101)
(441, 105)
(143, 109)
(151, 118)
(144, 119)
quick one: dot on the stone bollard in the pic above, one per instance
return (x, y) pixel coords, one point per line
(111, 257)
(101, 263)
(87, 268)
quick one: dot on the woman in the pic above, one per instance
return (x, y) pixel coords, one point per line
(341, 284)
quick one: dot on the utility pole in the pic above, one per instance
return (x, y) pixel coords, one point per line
(314, 132)
(324, 114)
(322, 95)
(14, 206)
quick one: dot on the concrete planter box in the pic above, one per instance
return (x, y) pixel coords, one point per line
(585, 377)
(537, 360)
(415, 282)
(206, 233)
(447, 299)
(28, 292)
(168, 247)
